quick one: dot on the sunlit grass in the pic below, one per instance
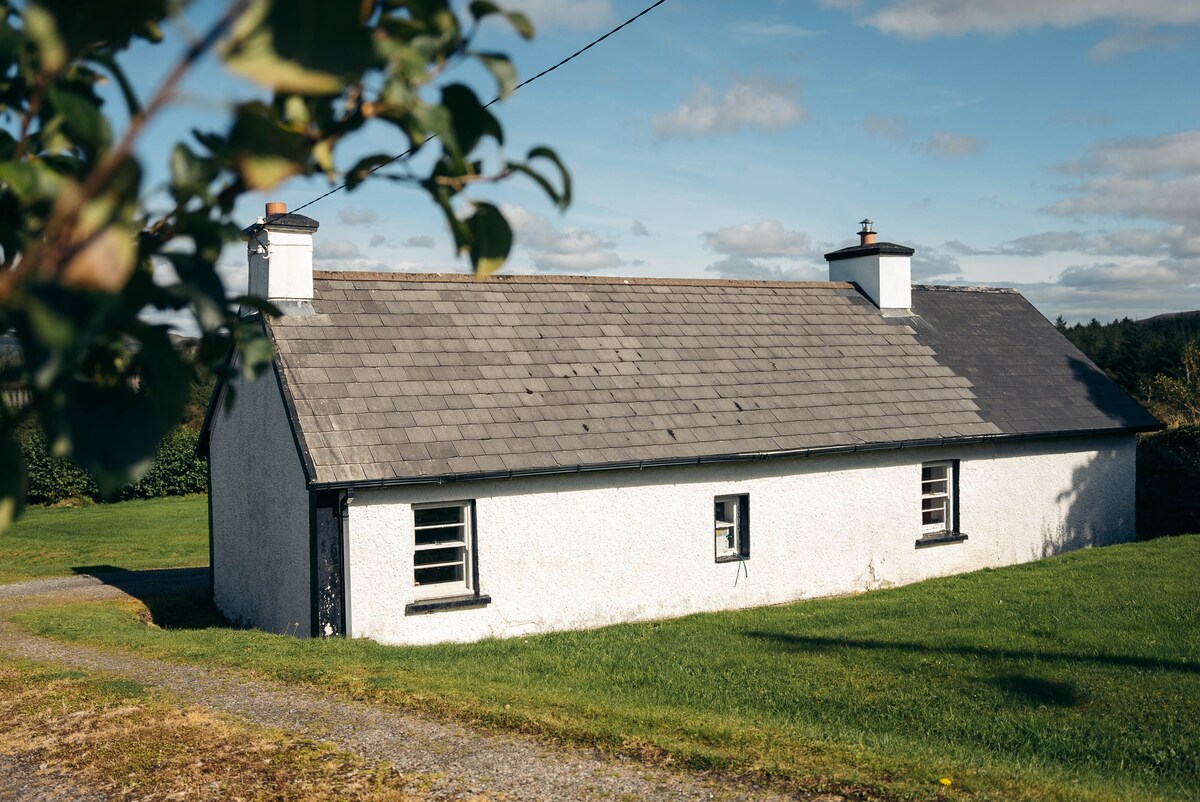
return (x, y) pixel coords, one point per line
(1076, 677)
(134, 535)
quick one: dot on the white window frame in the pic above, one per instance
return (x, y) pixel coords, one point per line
(947, 526)
(721, 528)
(440, 589)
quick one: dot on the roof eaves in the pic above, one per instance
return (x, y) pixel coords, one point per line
(759, 456)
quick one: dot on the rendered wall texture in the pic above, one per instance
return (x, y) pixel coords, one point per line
(260, 515)
(585, 550)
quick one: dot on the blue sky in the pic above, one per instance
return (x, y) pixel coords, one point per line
(1050, 146)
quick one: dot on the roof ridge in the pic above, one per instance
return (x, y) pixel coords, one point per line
(464, 278)
(964, 288)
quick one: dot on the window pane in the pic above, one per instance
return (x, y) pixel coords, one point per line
(438, 515)
(435, 576)
(431, 556)
(440, 534)
(940, 487)
(934, 472)
(933, 517)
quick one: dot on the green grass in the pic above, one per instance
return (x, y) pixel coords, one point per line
(1077, 677)
(134, 535)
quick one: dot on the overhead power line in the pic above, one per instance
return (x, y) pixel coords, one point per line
(491, 102)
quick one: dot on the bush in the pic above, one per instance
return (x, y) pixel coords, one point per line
(1168, 477)
(176, 471)
(52, 480)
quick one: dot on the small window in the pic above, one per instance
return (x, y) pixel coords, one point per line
(937, 497)
(442, 549)
(731, 539)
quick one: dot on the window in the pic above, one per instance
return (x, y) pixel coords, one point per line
(731, 539)
(937, 497)
(442, 550)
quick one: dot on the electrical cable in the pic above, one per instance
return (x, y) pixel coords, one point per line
(490, 103)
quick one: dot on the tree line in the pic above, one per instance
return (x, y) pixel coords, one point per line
(1156, 360)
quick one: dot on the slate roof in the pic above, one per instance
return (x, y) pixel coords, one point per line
(413, 377)
(1027, 378)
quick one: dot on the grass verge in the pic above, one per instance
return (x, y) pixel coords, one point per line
(1076, 677)
(134, 535)
(111, 737)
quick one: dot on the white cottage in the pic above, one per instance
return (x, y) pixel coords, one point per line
(438, 458)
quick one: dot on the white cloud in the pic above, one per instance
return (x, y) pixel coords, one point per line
(948, 145)
(772, 28)
(893, 128)
(755, 101)
(352, 216)
(335, 249)
(639, 229)
(577, 15)
(1129, 275)
(555, 250)
(376, 241)
(739, 267)
(419, 241)
(765, 239)
(925, 19)
(1134, 38)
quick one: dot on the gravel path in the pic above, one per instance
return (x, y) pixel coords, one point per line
(462, 762)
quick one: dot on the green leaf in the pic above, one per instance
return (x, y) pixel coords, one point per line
(563, 198)
(469, 120)
(40, 26)
(363, 167)
(305, 46)
(502, 69)
(190, 174)
(82, 118)
(521, 24)
(491, 239)
(12, 480)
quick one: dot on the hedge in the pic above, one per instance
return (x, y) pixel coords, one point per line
(175, 471)
(1168, 482)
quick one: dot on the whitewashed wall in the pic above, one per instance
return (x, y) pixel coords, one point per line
(260, 516)
(584, 550)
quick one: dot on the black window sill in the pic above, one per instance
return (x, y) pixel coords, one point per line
(940, 538)
(733, 558)
(447, 603)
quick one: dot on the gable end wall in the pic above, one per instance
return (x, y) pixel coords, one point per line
(261, 544)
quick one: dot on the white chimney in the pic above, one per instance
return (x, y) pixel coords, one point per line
(882, 271)
(280, 248)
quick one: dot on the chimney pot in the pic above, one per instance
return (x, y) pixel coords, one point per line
(866, 236)
(276, 207)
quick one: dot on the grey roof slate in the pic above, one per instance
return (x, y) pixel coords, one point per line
(403, 377)
(1028, 378)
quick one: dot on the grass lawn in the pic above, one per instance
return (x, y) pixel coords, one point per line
(1076, 677)
(154, 533)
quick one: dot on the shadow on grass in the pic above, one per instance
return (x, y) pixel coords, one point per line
(814, 644)
(177, 598)
(1037, 691)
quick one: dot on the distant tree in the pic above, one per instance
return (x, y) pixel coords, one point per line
(1182, 392)
(77, 244)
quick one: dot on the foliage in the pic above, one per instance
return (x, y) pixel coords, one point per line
(133, 535)
(1145, 357)
(176, 470)
(1182, 392)
(1168, 477)
(1075, 677)
(78, 243)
